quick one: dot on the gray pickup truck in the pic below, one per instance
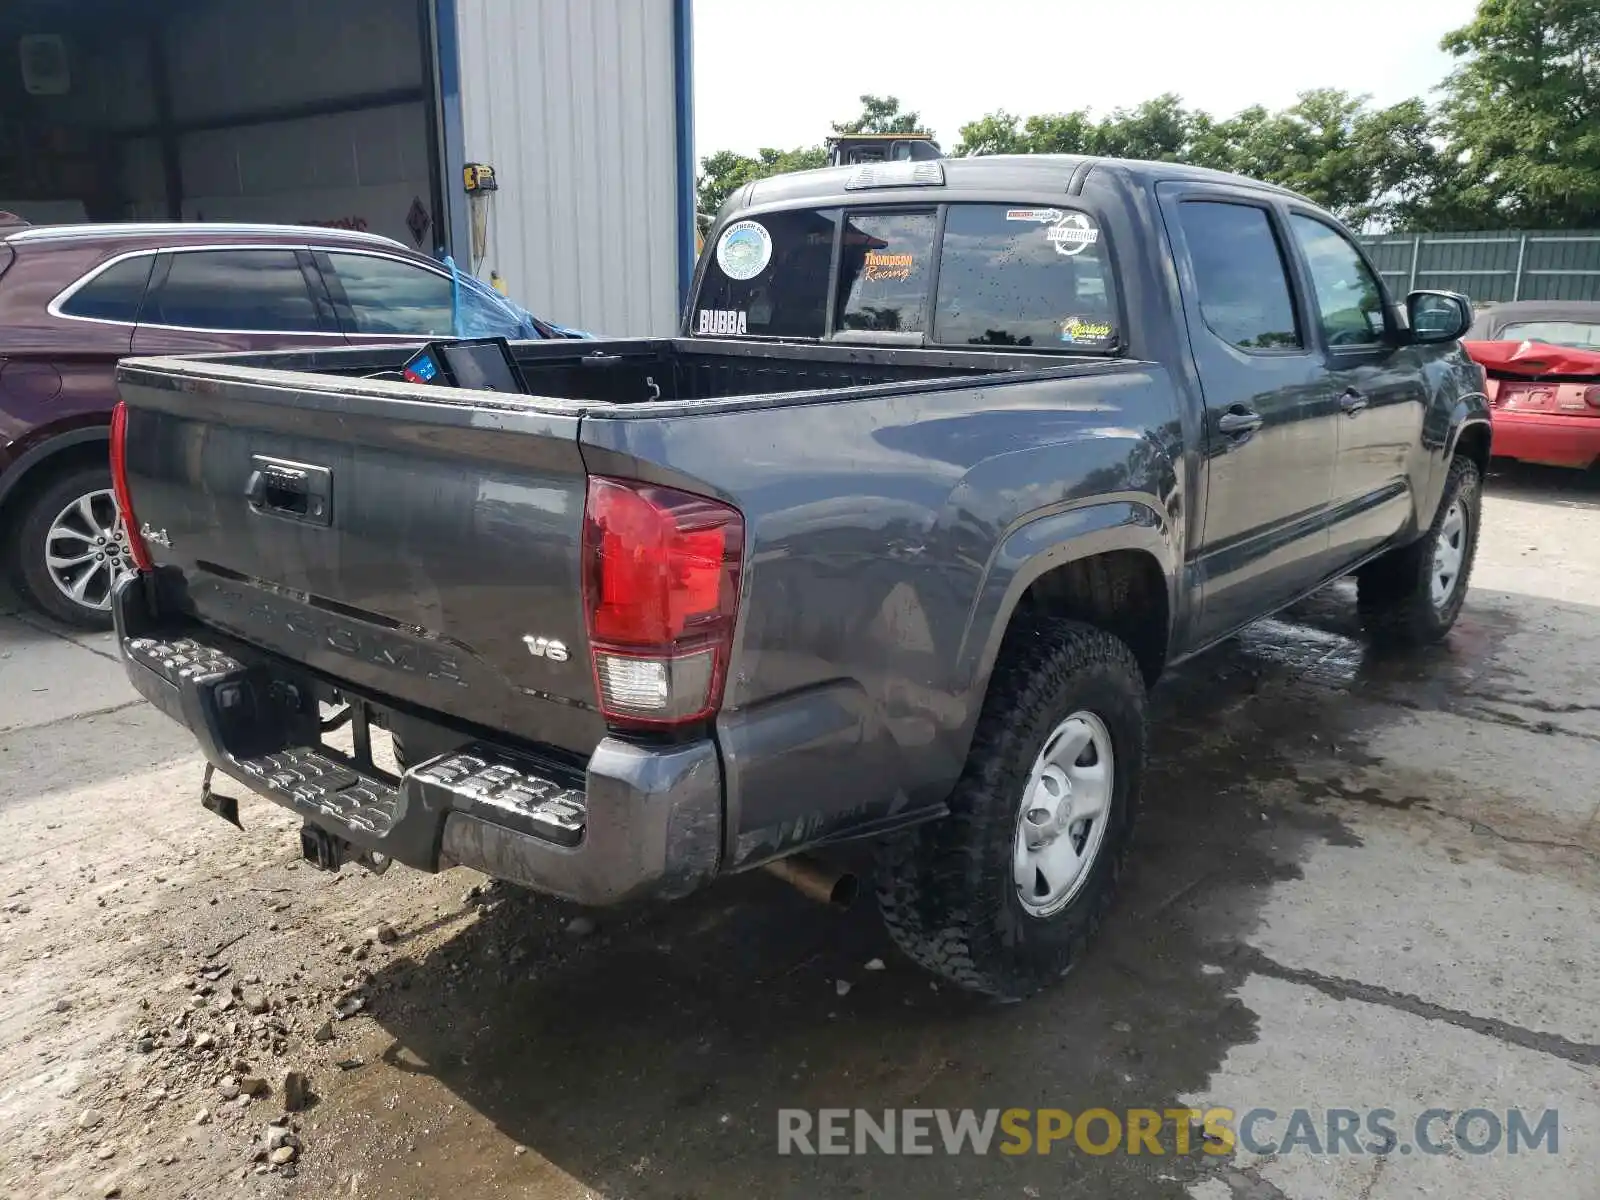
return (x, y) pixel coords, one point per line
(951, 460)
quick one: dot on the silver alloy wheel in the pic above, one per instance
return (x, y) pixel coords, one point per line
(1065, 806)
(1449, 552)
(86, 551)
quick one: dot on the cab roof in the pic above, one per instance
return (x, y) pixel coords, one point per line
(1064, 173)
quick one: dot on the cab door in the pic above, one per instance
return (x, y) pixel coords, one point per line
(1270, 433)
(1376, 383)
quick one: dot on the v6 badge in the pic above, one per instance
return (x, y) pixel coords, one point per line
(542, 647)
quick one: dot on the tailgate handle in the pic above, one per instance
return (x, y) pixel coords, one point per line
(290, 490)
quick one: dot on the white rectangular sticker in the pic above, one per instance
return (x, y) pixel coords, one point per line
(718, 322)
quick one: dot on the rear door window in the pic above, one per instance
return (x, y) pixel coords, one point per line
(768, 277)
(1033, 277)
(115, 293)
(885, 270)
(1241, 281)
(385, 296)
(253, 291)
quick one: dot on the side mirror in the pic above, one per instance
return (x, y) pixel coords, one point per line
(1437, 317)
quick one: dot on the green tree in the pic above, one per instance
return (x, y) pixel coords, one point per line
(881, 114)
(1366, 165)
(1515, 142)
(1061, 133)
(1311, 147)
(1414, 177)
(996, 133)
(1522, 115)
(726, 171)
(1161, 130)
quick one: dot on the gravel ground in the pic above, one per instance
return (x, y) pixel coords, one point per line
(1360, 883)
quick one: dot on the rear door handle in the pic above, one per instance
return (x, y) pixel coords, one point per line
(1352, 401)
(1239, 421)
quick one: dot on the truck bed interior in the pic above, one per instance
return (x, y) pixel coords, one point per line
(682, 369)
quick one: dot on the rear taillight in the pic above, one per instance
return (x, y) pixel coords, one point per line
(137, 550)
(661, 592)
(1591, 397)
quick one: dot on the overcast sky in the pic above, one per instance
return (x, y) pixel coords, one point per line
(776, 72)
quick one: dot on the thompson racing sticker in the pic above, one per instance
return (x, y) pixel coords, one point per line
(888, 266)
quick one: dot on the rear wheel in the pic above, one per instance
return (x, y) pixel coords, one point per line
(1413, 595)
(71, 548)
(1002, 896)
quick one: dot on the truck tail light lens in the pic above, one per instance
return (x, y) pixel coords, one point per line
(137, 550)
(661, 593)
(1591, 397)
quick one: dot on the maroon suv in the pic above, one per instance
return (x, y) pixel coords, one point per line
(75, 299)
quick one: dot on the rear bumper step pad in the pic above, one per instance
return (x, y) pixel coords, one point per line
(640, 821)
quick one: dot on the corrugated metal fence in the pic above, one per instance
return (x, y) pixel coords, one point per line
(1498, 265)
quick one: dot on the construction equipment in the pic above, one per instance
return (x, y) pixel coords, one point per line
(847, 149)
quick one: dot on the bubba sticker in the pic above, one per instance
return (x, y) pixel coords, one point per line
(744, 250)
(888, 266)
(1081, 331)
(720, 321)
(1072, 234)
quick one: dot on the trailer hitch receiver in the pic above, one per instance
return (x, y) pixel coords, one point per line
(320, 848)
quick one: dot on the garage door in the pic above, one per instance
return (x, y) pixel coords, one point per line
(303, 111)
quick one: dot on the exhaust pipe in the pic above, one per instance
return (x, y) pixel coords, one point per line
(822, 883)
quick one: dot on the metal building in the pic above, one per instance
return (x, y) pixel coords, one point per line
(367, 113)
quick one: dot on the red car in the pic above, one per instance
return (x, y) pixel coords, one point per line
(1542, 359)
(76, 298)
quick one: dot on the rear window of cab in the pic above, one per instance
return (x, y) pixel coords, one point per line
(953, 275)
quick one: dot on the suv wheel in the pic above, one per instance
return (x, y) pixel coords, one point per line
(1412, 595)
(1002, 896)
(71, 548)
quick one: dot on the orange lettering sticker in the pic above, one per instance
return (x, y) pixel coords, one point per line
(882, 266)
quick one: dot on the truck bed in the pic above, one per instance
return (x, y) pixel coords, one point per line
(431, 557)
(437, 529)
(668, 370)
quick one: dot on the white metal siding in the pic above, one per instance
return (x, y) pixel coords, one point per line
(572, 102)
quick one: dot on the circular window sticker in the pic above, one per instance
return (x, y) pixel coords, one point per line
(744, 250)
(1072, 234)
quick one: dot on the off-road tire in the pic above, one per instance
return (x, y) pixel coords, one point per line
(945, 888)
(1394, 591)
(28, 570)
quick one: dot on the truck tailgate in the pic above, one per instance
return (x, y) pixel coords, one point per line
(417, 548)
